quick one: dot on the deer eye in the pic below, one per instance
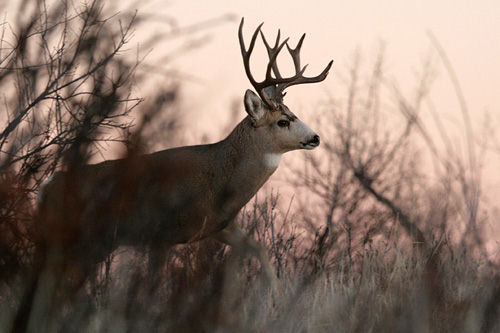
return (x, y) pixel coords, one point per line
(283, 123)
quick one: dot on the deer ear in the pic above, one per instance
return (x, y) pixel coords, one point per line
(254, 106)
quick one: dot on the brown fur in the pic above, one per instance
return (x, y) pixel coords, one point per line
(172, 196)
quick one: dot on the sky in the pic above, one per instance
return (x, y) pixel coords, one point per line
(468, 31)
(214, 78)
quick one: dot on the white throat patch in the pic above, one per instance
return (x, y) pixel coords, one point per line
(272, 160)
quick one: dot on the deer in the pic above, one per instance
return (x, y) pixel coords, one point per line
(184, 194)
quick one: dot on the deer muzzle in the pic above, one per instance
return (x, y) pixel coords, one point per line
(312, 143)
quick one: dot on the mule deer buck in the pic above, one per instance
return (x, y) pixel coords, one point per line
(184, 194)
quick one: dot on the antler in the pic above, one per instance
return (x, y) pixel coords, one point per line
(271, 88)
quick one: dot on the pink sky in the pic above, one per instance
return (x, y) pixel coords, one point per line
(469, 31)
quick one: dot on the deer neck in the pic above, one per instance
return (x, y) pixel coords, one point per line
(249, 164)
(251, 152)
(245, 167)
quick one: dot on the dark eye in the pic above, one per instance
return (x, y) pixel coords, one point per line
(283, 123)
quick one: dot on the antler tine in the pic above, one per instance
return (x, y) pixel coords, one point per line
(242, 41)
(271, 51)
(246, 53)
(302, 79)
(272, 64)
(299, 78)
(295, 53)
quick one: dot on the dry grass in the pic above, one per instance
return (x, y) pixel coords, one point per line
(391, 291)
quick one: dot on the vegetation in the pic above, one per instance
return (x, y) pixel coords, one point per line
(393, 242)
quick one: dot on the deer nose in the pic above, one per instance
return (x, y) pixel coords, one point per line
(315, 140)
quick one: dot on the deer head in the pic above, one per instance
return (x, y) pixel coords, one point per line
(267, 111)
